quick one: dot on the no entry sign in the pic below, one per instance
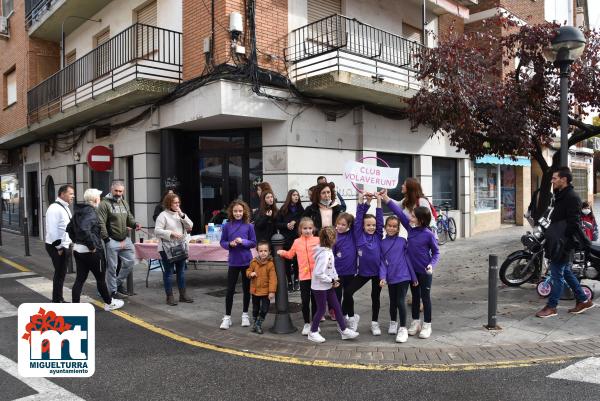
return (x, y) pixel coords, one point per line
(100, 158)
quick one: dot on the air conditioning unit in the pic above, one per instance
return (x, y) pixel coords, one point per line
(3, 26)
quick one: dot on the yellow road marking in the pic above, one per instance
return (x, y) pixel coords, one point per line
(330, 364)
(14, 264)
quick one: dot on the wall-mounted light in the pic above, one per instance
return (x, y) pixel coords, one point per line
(77, 156)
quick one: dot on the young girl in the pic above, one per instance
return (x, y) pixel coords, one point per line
(423, 253)
(325, 280)
(368, 232)
(303, 249)
(263, 284)
(587, 215)
(264, 218)
(239, 238)
(344, 251)
(397, 273)
(287, 223)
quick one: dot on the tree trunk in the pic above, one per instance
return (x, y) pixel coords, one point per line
(545, 196)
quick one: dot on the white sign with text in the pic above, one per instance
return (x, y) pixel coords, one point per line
(367, 174)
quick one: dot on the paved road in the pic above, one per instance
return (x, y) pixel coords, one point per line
(133, 363)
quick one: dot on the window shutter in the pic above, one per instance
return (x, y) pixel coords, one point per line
(11, 87)
(102, 37)
(412, 33)
(319, 9)
(102, 56)
(147, 14)
(71, 57)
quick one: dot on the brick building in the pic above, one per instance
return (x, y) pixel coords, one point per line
(212, 96)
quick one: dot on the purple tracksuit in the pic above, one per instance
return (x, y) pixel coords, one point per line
(395, 267)
(368, 245)
(241, 255)
(422, 247)
(344, 251)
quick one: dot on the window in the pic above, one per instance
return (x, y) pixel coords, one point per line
(147, 14)
(319, 9)
(102, 53)
(50, 190)
(10, 87)
(70, 57)
(444, 182)
(405, 164)
(11, 211)
(412, 33)
(101, 180)
(147, 36)
(580, 182)
(486, 187)
(7, 7)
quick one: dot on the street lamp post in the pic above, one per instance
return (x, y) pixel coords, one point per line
(566, 47)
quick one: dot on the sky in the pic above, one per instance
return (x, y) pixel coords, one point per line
(594, 13)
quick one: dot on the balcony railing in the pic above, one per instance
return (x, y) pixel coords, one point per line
(140, 51)
(338, 43)
(34, 9)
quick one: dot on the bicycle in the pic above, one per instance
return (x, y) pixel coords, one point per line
(446, 226)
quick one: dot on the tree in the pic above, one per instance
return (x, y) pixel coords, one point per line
(495, 94)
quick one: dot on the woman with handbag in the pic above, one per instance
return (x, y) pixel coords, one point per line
(171, 228)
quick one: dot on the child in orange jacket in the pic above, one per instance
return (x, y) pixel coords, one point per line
(303, 248)
(263, 284)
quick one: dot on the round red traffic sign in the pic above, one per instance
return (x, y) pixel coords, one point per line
(100, 158)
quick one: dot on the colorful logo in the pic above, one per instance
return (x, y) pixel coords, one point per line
(56, 340)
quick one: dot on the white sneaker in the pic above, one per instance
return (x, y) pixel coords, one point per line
(425, 331)
(245, 320)
(375, 329)
(315, 337)
(114, 304)
(393, 328)
(352, 322)
(414, 328)
(402, 335)
(306, 329)
(226, 323)
(348, 334)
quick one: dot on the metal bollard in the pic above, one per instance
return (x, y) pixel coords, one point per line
(26, 236)
(130, 290)
(493, 293)
(283, 321)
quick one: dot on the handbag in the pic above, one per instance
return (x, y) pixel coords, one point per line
(176, 250)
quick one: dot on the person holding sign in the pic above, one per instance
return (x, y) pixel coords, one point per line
(324, 209)
(368, 233)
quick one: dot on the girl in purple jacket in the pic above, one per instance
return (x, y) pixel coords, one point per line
(368, 232)
(344, 251)
(397, 273)
(238, 237)
(423, 253)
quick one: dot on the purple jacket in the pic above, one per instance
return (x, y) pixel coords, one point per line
(368, 246)
(344, 251)
(395, 267)
(422, 246)
(241, 255)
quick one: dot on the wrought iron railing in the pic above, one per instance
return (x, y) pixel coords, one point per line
(140, 51)
(341, 43)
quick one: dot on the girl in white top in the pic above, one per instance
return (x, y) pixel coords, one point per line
(323, 284)
(172, 225)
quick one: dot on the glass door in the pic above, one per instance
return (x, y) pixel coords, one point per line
(508, 192)
(211, 186)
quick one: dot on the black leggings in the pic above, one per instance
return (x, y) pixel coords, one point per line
(398, 301)
(345, 282)
(90, 262)
(422, 292)
(232, 278)
(291, 268)
(356, 284)
(260, 306)
(308, 300)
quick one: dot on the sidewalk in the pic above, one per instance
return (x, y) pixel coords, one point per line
(459, 293)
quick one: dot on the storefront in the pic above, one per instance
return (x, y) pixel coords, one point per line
(498, 191)
(11, 200)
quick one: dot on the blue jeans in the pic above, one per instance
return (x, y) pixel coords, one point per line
(168, 272)
(558, 270)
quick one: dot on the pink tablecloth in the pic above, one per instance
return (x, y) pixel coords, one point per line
(200, 252)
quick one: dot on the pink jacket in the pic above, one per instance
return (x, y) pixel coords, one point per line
(303, 248)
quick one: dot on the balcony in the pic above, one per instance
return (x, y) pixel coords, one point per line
(138, 65)
(339, 57)
(44, 18)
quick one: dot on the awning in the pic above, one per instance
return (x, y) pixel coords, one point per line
(508, 161)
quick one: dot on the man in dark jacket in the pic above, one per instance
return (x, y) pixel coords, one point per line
(566, 228)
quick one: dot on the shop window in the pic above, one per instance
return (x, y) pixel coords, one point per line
(445, 182)
(580, 182)
(486, 187)
(11, 214)
(405, 165)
